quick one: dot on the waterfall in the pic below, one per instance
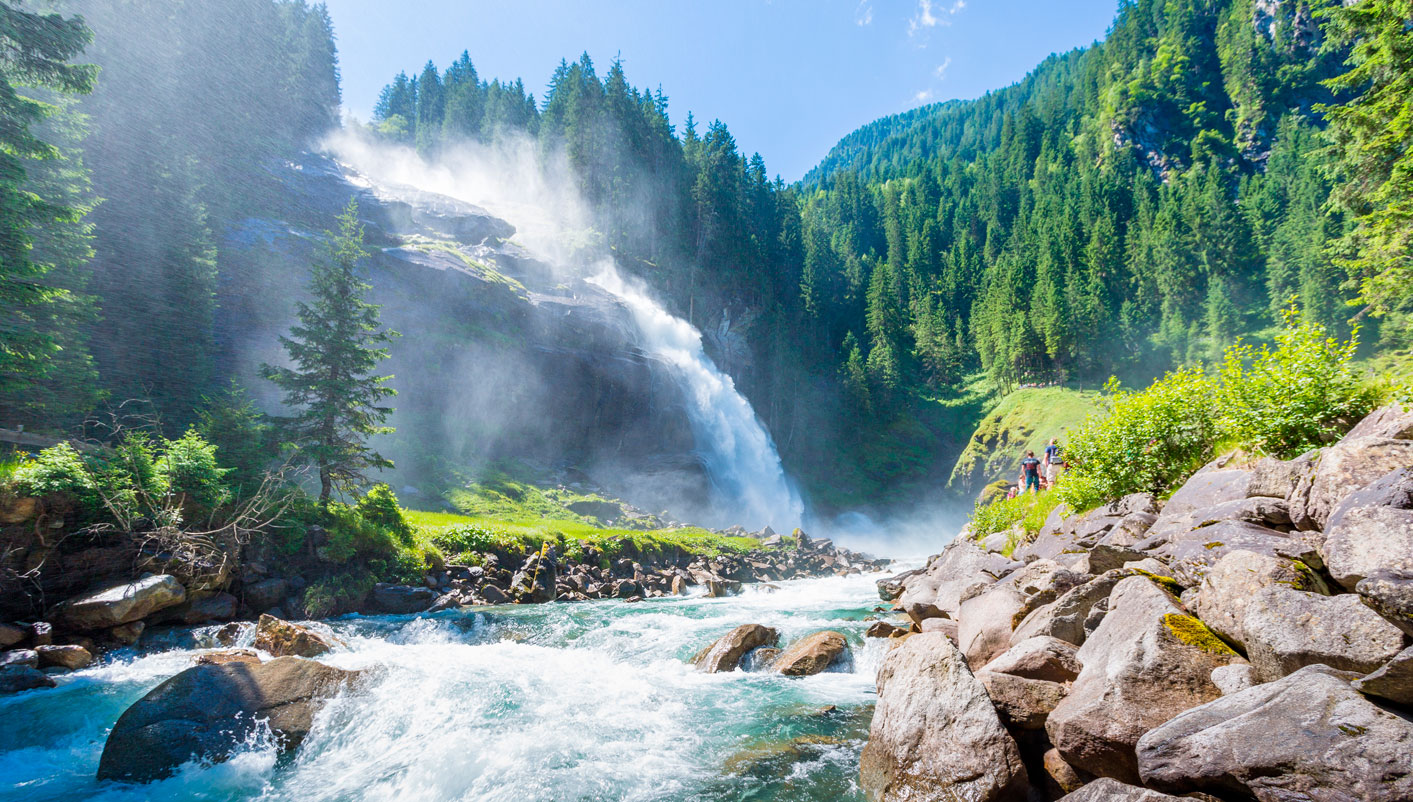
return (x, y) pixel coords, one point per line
(740, 456)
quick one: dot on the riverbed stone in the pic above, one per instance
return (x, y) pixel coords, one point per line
(15, 678)
(1286, 629)
(812, 654)
(1307, 736)
(1392, 681)
(20, 657)
(726, 652)
(208, 710)
(1106, 789)
(1371, 529)
(281, 638)
(1147, 661)
(1021, 703)
(935, 733)
(402, 599)
(1041, 657)
(67, 656)
(121, 603)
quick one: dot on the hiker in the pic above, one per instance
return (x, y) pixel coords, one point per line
(1030, 472)
(1053, 461)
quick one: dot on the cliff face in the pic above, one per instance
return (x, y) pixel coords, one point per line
(502, 355)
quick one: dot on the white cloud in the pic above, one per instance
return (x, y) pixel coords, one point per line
(927, 17)
(941, 71)
(863, 15)
(925, 96)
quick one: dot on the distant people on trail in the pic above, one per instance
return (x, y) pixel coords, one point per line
(1030, 473)
(1053, 461)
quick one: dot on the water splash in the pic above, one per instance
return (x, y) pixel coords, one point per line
(747, 475)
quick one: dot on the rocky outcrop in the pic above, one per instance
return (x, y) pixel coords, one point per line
(69, 657)
(1371, 529)
(725, 654)
(1329, 743)
(1147, 662)
(986, 621)
(208, 710)
(1392, 681)
(282, 639)
(120, 604)
(935, 733)
(812, 654)
(937, 592)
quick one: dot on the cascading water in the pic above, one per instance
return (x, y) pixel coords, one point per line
(551, 703)
(739, 453)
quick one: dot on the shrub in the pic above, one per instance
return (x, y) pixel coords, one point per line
(1303, 394)
(1150, 441)
(242, 435)
(188, 467)
(1002, 515)
(59, 470)
(379, 506)
(351, 535)
(337, 594)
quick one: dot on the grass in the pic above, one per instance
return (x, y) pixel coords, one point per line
(1023, 420)
(1029, 510)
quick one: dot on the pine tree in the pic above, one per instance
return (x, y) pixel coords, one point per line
(35, 53)
(335, 350)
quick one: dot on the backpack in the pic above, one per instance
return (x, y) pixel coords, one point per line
(1055, 458)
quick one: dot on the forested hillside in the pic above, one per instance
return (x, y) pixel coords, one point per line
(1127, 207)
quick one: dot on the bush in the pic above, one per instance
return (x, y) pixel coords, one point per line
(1002, 515)
(59, 470)
(379, 506)
(351, 535)
(189, 468)
(1304, 394)
(337, 594)
(242, 435)
(1150, 441)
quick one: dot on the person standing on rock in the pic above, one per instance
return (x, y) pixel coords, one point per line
(1053, 461)
(1030, 473)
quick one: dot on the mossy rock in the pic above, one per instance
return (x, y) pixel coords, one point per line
(1195, 633)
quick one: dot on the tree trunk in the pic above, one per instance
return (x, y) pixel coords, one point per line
(326, 485)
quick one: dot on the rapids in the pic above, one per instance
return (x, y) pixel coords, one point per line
(587, 701)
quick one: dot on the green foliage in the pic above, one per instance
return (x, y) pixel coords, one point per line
(1029, 510)
(58, 470)
(380, 508)
(242, 435)
(1303, 394)
(337, 594)
(189, 469)
(1024, 420)
(335, 349)
(1148, 441)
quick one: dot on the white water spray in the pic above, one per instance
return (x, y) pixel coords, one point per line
(749, 482)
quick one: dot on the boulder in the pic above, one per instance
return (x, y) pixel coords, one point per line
(11, 635)
(935, 733)
(1390, 594)
(209, 710)
(1351, 465)
(1268, 513)
(119, 604)
(68, 657)
(1392, 422)
(15, 678)
(726, 653)
(1392, 681)
(281, 639)
(812, 654)
(883, 629)
(1041, 658)
(1372, 529)
(1192, 554)
(986, 621)
(261, 596)
(937, 591)
(1147, 661)
(1234, 678)
(1233, 582)
(1060, 777)
(946, 626)
(494, 595)
(1214, 484)
(719, 588)
(1288, 629)
(1064, 618)
(1021, 703)
(1106, 789)
(20, 657)
(1278, 478)
(1107, 557)
(535, 582)
(228, 656)
(402, 599)
(1307, 736)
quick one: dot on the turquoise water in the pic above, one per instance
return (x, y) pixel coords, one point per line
(557, 702)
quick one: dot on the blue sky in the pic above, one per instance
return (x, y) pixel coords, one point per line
(789, 77)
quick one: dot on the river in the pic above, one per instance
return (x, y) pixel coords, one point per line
(587, 701)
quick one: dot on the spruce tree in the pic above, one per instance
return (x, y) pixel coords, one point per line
(334, 351)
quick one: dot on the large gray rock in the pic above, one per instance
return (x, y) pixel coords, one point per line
(1390, 593)
(1041, 657)
(812, 654)
(1191, 555)
(1392, 681)
(1215, 483)
(535, 582)
(1286, 629)
(1065, 539)
(1065, 617)
(1392, 422)
(986, 621)
(1278, 478)
(726, 652)
(1229, 587)
(1372, 529)
(893, 587)
(263, 595)
(936, 593)
(15, 678)
(1268, 513)
(402, 599)
(935, 734)
(1308, 736)
(1351, 465)
(1147, 662)
(1106, 789)
(209, 710)
(1021, 703)
(119, 604)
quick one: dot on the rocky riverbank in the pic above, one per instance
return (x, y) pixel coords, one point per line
(1249, 638)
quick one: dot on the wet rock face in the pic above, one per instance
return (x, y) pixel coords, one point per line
(208, 710)
(1333, 744)
(812, 654)
(726, 653)
(402, 599)
(120, 604)
(281, 638)
(935, 733)
(15, 678)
